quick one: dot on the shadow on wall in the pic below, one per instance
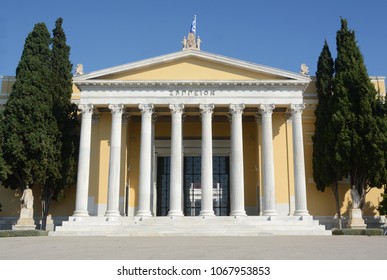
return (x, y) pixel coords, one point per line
(369, 209)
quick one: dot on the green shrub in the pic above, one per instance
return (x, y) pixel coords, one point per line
(349, 231)
(22, 233)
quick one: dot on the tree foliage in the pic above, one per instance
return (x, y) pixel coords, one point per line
(29, 128)
(65, 116)
(324, 170)
(351, 132)
(359, 146)
(39, 125)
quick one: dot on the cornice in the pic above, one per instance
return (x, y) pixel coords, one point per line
(103, 85)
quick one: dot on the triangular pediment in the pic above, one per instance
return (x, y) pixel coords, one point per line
(192, 66)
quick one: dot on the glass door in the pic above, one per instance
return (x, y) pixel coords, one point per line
(163, 182)
(192, 185)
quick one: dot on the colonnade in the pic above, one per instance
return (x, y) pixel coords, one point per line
(237, 200)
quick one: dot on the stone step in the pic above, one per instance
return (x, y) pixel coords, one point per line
(193, 221)
(191, 233)
(191, 226)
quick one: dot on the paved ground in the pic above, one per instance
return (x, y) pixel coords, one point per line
(186, 248)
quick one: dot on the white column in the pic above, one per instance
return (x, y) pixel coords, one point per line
(206, 179)
(175, 196)
(84, 162)
(299, 164)
(114, 161)
(145, 185)
(266, 111)
(154, 169)
(237, 195)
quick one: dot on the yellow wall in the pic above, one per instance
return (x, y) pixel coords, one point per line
(6, 85)
(250, 146)
(133, 160)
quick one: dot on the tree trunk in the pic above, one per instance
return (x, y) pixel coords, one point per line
(46, 202)
(335, 190)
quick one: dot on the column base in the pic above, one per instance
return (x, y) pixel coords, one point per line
(175, 213)
(112, 213)
(80, 213)
(301, 213)
(238, 213)
(270, 213)
(143, 213)
(207, 213)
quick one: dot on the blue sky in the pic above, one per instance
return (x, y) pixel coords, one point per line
(278, 33)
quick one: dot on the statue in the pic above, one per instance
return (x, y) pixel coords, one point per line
(79, 70)
(304, 70)
(198, 42)
(191, 42)
(184, 42)
(26, 220)
(27, 199)
(355, 220)
(355, 198)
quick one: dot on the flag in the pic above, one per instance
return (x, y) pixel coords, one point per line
(193, 26)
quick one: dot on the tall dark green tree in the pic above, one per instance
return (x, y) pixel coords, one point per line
(3, 166)
(324, 172)
(29, 127)
(66, 120)
(357, 150)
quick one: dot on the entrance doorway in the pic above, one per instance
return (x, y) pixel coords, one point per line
(192, 185)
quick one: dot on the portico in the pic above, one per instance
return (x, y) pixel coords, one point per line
(237, 101)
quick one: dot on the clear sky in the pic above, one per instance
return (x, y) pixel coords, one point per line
(277, 33)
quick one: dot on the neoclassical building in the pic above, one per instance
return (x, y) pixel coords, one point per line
(192, 136)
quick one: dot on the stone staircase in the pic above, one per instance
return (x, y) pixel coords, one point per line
(190, 226)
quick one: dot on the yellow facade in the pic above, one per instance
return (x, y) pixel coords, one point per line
(195, 69)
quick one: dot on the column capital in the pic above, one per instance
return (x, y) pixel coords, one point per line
(236, 109)
(296, 108)
(266, 109)
(86, 109)
(117, 109)
(146, 108)
(206, 109)
(176, 108)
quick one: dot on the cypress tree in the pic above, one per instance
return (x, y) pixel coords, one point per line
(324, 173)
(66, 120)
(29, 127)
(3, 166)
(357, 148)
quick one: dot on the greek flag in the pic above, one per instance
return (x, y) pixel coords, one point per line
(193, 26)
